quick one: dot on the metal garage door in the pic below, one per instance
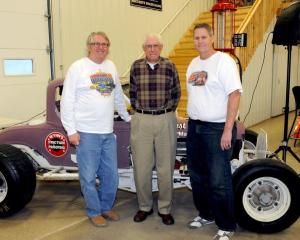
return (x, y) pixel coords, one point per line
(25, 61)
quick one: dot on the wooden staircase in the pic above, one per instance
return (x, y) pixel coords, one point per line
(261, 13)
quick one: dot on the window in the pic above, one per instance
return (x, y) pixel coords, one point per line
(18, 67)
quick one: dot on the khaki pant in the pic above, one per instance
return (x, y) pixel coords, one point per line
(153, 143)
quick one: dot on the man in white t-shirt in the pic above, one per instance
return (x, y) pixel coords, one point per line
(91, 92)
(214, 90)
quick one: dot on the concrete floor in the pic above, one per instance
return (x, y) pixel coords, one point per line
(274, 128)
(57, 212)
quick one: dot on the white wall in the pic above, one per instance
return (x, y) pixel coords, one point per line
(24, 34)
(279, 83)
(269, 97)
(125, 25)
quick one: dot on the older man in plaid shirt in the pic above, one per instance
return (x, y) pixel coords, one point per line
(154, 96)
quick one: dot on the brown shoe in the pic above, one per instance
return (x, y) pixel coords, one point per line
(167, 218)
(111, 215)
(99, 221)
(142, 215)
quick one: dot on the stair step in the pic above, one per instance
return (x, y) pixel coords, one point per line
(186, 52)
(183, 98)
(181, 61)
(181, 67)
(189, 54)
(182, 112)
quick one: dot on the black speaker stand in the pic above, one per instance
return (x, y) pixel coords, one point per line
(284, 144)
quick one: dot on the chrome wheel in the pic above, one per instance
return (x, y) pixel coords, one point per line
(266, 199)
(3, 187)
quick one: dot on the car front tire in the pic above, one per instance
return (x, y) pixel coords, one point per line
(17, 180)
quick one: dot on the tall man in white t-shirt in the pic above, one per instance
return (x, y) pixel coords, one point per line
(214, 91)
(91, 92)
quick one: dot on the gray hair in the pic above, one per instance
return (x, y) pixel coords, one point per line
(103, 34)
(205, 26)
(153, 35)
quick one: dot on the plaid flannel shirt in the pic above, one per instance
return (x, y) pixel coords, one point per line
(154, 89)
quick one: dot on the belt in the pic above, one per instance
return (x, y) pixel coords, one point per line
(153, 112)
(200, 122)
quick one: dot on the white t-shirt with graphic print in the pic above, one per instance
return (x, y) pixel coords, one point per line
(90, 94)
(209, 82)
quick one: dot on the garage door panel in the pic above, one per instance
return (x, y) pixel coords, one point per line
(27, 6)
(24, 31)
(24, 35)
(41, 69)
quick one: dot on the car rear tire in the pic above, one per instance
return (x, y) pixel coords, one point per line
(17, 180)
(266, 195)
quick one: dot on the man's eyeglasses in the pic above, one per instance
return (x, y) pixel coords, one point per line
(154, 46)
(98, 44)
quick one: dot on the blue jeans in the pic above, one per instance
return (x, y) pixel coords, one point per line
(97, 157)
(210, 173)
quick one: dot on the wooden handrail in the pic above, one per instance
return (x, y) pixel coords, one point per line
(249, 16)
(255, 25)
